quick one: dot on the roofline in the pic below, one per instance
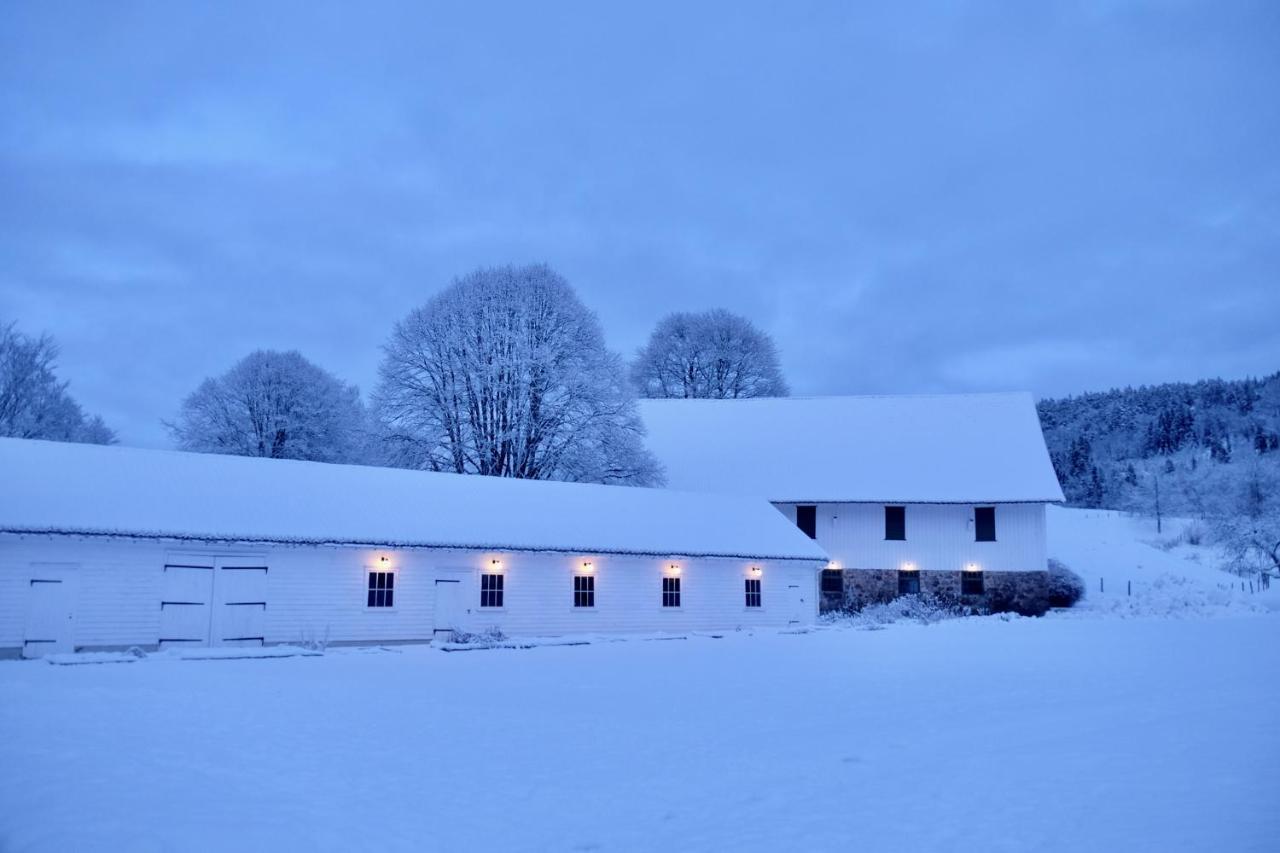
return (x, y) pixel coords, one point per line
(903, 502)
(393, 545)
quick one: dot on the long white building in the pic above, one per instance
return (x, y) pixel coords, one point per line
(934, 493)
(110, 547)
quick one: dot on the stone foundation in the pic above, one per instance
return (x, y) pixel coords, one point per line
(1018, 592)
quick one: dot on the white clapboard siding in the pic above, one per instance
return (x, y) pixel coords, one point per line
(940, 537)
(319, 593)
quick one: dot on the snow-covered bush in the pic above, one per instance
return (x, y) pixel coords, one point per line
(923, 609)
(488, 637)
(1065, 586)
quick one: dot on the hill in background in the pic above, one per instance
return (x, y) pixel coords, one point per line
(1163, 448)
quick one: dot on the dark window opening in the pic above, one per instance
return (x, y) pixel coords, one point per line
(984, 523)
(753, 592)
(584, 591)
(671, 592)
(807, 520)
(971, 583)
(895, 522)
(832, 582)
(491, 590)
(908, 583)
(382, 589)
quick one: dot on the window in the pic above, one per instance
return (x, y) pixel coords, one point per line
(753, 592)
(895, 522)
(832, 582)
(584, 590)
(971, 583)
(491, 590)
(382, 589)
(807, 520)
(984, 524)
(671, 592)
(908, 583)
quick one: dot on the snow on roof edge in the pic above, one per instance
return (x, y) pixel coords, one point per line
(391, 545)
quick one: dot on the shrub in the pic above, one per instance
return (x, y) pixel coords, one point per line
(1065, 586)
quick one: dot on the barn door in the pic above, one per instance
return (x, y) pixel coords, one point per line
(448, 605)
(50, 626)
(240, 603)
(218, 601)
(795, 603)
(186, 596)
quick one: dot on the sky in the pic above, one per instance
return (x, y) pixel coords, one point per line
(927, 197)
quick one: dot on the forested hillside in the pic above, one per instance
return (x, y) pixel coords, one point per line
(1167, 447)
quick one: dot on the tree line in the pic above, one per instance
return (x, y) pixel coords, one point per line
(505, 372)
(1207, 450)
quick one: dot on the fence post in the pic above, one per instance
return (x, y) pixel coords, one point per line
(1130, 591)
(1102, 584)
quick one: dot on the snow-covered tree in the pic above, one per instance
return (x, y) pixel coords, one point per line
(1246, 521)
(506, 373)
(711, 354)
(275, 404)
(33, 402)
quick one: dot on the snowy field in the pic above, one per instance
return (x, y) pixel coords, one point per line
(1076, 731)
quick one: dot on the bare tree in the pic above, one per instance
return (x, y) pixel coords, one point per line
(712, 354)
(1246, 524)
(506, 373)
(33, 402)
(278, 405)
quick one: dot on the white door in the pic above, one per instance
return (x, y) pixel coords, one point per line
(795, 603)
(186, 596)
(448, 605)
(240, 603)
(50, 627)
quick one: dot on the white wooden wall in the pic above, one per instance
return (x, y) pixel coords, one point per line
(319, 593)
(940, 537)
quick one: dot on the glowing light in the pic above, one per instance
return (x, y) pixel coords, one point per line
(384, 559)
(495, 565)
(971, 567)
(908, 567)
(755, 570)
(587, 568)
(674, 568)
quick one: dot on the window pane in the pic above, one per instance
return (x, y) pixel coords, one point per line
(371, 595)
(895, 522)
(391, 580)
(807, 520)
(984, 523)
(390, 595)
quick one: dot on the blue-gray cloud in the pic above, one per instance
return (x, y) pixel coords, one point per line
(980, 196)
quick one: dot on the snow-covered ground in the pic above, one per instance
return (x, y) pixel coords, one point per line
(1131, 569)
(1075, 731)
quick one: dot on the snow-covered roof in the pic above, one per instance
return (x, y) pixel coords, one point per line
(87, 489)
(947, 448)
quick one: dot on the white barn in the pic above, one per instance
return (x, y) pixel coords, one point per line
(110, 547)
(933, 493)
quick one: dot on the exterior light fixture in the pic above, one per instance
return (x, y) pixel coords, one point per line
(674, 568)
(755, 570)
(908, 567)
(971, 567)
(384, 559)
(495, 564)
(587, 568)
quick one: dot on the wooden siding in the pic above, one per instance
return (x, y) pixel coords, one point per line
(319, 593)
(940, 537)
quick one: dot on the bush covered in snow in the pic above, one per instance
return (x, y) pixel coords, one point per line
(488, 637)
(924, 609)
(1065, 586)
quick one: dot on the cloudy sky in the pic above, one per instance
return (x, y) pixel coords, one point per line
(958, 196)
